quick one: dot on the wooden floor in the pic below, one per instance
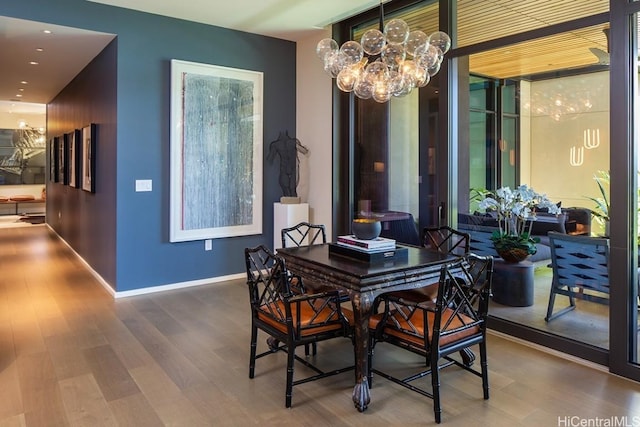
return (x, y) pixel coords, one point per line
(71, 355)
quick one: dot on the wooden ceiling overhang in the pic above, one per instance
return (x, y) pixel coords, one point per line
(481, 21)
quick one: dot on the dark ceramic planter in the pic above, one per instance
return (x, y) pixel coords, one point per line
(366, 229)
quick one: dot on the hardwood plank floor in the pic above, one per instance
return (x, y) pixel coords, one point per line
(72, 356)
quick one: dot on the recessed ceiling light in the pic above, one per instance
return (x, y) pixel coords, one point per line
(21, 89)
(18, 95)
(39, 49)
(33, 63)
(24, 82)
(47, 31)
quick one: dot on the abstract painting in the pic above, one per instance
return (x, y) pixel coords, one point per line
(216, 152)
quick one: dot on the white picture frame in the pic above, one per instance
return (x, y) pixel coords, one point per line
(72, 148)
(89, 158)
(216, 152)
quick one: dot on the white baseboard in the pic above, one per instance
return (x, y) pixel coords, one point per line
(181, 285)
(152, 289)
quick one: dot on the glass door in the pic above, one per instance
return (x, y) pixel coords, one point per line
(624, 359)
(547, 129)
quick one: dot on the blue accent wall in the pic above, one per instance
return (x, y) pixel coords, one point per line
(122, 234)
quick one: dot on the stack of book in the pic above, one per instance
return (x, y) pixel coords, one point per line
(373, 245)
(379, 249)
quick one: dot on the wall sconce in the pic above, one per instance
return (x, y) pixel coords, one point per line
(576, 156)
(591, 138)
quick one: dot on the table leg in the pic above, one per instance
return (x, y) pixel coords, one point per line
(362, 305)
(467, 356)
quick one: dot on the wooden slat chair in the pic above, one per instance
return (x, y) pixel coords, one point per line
(457, 322)
(292, 318)
(580, 270)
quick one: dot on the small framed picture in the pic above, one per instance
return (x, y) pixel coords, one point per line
(88, 167)
(61, 154)
(52, 160)
(73, 159)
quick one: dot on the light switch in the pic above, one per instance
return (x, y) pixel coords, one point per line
(208, 245)
(143, 185)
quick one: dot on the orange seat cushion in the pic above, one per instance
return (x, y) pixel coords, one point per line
(308, 318)
(22, 198)
(414, 332)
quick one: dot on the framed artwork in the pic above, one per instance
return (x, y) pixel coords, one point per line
(61, 154)
(216, 152)
(72, 157)
(88, 150)
(52, 160)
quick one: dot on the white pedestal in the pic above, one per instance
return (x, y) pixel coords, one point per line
(287, 215)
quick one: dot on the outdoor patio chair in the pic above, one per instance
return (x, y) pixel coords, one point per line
(580, 270)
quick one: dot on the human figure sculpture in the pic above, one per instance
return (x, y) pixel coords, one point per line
(287, 148)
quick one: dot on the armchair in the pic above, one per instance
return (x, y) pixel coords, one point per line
(457, 322)
(293, 319)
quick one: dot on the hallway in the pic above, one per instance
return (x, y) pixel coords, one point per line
(71, 355)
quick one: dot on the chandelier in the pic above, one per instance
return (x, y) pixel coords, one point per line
(390, 61)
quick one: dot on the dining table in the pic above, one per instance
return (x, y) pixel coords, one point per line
(363, 281)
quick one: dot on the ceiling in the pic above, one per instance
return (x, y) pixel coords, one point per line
(65, 51)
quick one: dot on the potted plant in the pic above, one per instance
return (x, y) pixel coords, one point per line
(601, 211)
(515, 210)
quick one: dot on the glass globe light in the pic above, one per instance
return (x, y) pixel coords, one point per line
(352, 52)
(372, 42)
(326, 46)
(416, 40)
(363, 89)
(333, 63)
(381, 93)
(348, 77)
(396, 82)
(440, 40)
(393, 54)
(423, 77)
(396, 31)
(427, 56)
(434, 70)
(410, 72)
(402, 60)
(375, 71)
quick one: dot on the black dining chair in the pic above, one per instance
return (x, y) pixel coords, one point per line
(291, 317)
(302, 234)
(456, 322)
(445, 240)
(306, 234)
